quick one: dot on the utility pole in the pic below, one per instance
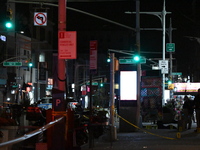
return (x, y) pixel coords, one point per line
(61, 27)
(161, 16)
(163, 25)
(61, 139)
(138, 65)
(112, 95)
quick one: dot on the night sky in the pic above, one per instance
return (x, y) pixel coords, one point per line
(185, 19)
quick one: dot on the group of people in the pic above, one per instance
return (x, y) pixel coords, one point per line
(189, 107)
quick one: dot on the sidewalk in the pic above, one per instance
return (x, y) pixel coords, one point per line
(152, 139)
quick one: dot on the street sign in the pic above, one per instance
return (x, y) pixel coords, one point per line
(177, 73)
(40, 18)
(18, 78)
(163, 64)
(93, 83)
(126, 61)
(11, 64)
(164, 70)
(67, 44)
(170, 47)
(132, 61)
(93, 55)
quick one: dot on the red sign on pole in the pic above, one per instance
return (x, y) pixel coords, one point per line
(93, 55)
(67, 44)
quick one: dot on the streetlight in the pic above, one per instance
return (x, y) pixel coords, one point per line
(161, 16)
(8, 21)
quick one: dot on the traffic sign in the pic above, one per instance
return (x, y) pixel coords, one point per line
(67, 45)
(177, 73)
(93, 55)
(132, 61)
(10, 64)
(170, 47)
(40, 18)
(163, 64)
(164, 70)
(18, 78)
(93, 83)
(126, 61)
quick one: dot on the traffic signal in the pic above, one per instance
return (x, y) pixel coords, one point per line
(101, 84)
(28, 63)
(169, 82)
(170, 86)
(108, 59)
(8, 20)
(116, 65)
(136, 58)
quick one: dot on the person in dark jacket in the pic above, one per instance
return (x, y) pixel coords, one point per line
(188, 108)
(197, 108)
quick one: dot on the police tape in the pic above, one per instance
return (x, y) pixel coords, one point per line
(31, 134)
(144, 129)
(85, 117)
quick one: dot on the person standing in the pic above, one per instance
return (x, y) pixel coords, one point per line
(188, 109)
(197, 108)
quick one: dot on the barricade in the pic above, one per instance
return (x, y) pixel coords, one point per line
(8, 143)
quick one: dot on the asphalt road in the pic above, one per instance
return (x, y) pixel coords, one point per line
(152, 139)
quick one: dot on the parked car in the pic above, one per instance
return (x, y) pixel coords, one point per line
(45, 103)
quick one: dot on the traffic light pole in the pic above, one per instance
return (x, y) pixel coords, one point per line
(139, 64)
(161, 16)
(163, 25)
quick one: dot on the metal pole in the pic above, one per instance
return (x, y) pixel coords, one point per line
(163, 25)
(91, 144)
(138, 65)
(170, 57)
(63, 140)
(112, 95)
(112, 78)
(61, 27)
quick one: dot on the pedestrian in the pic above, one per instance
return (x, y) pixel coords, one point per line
(197, 108)
(188, 109)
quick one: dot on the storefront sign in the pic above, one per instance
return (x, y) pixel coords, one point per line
(186, 87)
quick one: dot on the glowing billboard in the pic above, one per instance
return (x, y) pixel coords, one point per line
(186, 87)
(128, 85)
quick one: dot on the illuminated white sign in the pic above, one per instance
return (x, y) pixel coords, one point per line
(128, 85)
(186, 87)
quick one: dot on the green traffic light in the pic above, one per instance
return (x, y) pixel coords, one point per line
(101, 84)
(8, 25)
(108, 60)
(169, 82)
(136, 58)
(30, 65)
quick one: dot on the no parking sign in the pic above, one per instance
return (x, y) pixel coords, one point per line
(40, 18)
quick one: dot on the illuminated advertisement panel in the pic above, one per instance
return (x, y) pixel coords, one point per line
(186, 87)
(128, 85)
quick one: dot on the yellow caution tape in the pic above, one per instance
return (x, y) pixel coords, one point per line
(86, 117)
(145, 130)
